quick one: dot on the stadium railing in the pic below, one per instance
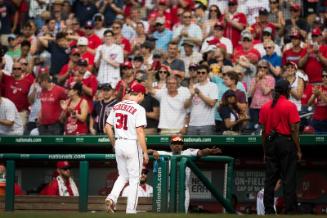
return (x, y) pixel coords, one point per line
(161, 177)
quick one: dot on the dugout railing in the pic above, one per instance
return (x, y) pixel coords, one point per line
(161, 171)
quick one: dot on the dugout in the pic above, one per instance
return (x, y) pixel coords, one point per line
(247, 151)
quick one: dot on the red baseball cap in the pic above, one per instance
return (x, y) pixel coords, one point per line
(177, 138)
(43, 70)
(233, 2)
(295, 7)
(62, 164)
(127, 64)
(138, 88)
(162, 2)
(316, 31)
(296, 34)
(291, 63)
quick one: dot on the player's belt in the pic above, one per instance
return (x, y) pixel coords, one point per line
(121, 138)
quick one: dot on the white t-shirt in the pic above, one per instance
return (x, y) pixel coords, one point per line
(125, 117)
(8, 111)
(223, 40)
(141, 192)
(251, 8)
(108, 73)
(201, 113)
(172, 111)
(193, 31)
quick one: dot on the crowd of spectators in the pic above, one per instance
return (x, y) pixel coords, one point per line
(208, 65)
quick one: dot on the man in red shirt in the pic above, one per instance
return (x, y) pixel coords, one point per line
(246, 49)
(261, 24)
(69, 68)
(16, 88)
(51, 96)
(62, 184)
(127, 81)
(315, 57)
(120, 39)
(280, 136)
(317, 96)
(82, 45)
(235, 23)
(296, 52)
(89, 81)
(94, 40)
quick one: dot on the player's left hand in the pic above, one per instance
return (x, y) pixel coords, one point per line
(145, 158)
(215, 150)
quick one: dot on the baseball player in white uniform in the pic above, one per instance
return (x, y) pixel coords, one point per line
(260, 204)
(176, 147)
(128, 120)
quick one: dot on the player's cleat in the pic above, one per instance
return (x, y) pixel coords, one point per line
(110, 206)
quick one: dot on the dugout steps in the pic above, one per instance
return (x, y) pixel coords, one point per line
(56, 203)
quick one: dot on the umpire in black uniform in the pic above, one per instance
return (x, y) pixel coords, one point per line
(280, 120)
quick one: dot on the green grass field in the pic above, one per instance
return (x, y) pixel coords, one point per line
(139, 215)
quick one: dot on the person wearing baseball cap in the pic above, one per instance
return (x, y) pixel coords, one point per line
(93, 40)
(87, 79)
(189, 55)
(295, 22)
(62, 183)
(176, 148)
(235, 23)
(217, 38)
(127, 81)
(144, 189)
(106, 103)
(296, 51)
(69, 68)
(313, 60)
(261, 24)
(162, 34)
(83, 47)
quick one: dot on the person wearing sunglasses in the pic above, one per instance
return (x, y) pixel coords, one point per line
(275, 60)
(204, 95)
(246, 49)
(188, 30)
(176, 147)
(260, 90)
(93, 40)
(161, 76)
(62, 183)
(16, 88)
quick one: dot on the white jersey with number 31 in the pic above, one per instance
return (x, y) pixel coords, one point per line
(125, 117)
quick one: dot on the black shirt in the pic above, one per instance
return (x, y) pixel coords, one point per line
(226, 112)
(149, 103)
(59, 57)
(7, 9)
(101, 112)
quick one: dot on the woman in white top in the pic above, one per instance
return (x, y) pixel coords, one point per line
(161, 77)
(297, 79)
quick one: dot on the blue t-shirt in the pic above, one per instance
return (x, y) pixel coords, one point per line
(163, 39)
(274, 59)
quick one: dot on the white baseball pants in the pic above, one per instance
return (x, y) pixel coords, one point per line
(129, 159)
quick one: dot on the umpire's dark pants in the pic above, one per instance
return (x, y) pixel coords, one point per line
(280, 163)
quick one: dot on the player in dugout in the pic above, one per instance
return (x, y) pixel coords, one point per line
(176, 146)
